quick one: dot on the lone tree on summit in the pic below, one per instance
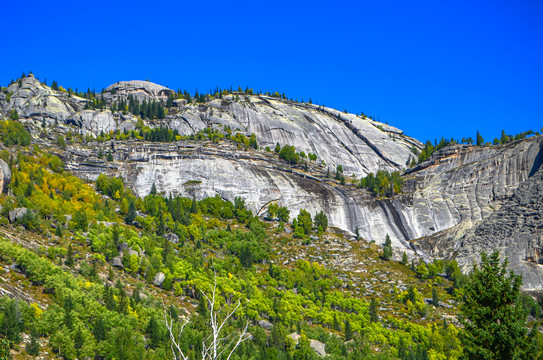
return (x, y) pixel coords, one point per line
(493, 319)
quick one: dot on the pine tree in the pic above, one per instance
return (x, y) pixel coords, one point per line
(99, 329)
(79, 340)
(336, 326)
(11, 324)
(153, 190)
(387, 249)
(494, 322)
(348, 330)
(58, 231)
(480, 140)
(435, 297)
(373, 310)
(69, 256)
(404, 259)
(131, 214)
(33, 347)
(153, 330)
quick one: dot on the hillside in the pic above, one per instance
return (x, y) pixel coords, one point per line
(118, 204)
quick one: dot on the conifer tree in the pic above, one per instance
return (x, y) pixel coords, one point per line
(387, 249)
(131, 214)
(348, 330)
(480, 140)
(373, 310)
(494, 322)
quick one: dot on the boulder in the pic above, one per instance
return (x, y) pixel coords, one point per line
(117, 262)
(159, 279)
(265, 324)
(5, 176)
(173, 238)
(17, 214)
(318, 347)
(295, 336)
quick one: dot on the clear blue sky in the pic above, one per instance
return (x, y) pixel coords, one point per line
(431, 68)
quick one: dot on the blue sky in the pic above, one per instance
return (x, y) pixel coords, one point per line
(431, 68)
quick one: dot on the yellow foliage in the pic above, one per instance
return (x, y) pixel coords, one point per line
(37, 310)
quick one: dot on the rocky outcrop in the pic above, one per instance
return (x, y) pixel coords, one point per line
(5, 176)
(266, 325)
(159, 279)
(17, 214)
(32, 99)
(141, 90)
(357, 143)
(454, 191)
(460, 188)
(95, 122)
(516, 229)
(318, 347)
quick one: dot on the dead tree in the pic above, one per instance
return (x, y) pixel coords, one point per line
(216, 343)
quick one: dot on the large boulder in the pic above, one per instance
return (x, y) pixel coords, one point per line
(5, 176)
(173, 238)
(17, 214)
(265, 324)
(159, 279)
(318, 347)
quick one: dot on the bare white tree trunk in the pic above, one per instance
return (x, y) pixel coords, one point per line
(215, 344)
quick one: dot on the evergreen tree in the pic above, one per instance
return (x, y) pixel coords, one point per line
(435, 297)
(153, 330)
(33, 347)
(79, 340)
(194, 206)
(58, 231)
(348, 330)
(131, 214)
(387, 249)
(336, 326)
(404, 259)
(480, 140)
(11, 325)
(321, 220)
(494, 323)
(373, 310)
(69, 256)
(153, 189)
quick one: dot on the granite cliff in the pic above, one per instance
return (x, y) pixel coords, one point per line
(448, 206)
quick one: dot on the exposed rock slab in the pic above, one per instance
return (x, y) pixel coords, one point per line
(516, 229)
(5, 176)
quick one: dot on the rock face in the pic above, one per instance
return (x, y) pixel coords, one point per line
(516, 229)
(358, 144)
(95, 122)
(451, 193)
(141, 90)
(5, 176)
(449, 207)
(32, 99)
